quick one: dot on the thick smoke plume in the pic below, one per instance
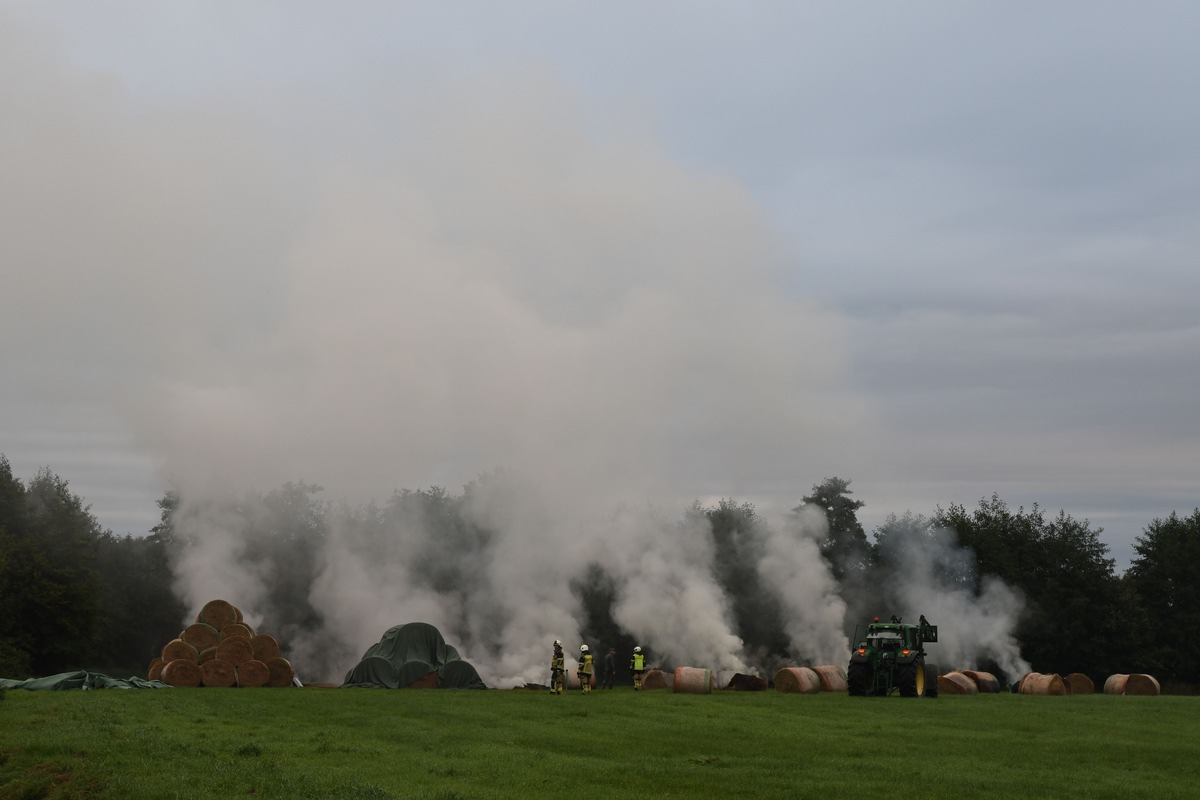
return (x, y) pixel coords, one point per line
(444, 276)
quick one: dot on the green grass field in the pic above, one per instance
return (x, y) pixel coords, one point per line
(361, 743)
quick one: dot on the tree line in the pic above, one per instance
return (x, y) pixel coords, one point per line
(74, 595)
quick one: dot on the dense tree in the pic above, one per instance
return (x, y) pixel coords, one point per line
(845, 544)
(1073, 610)
(1165, 579)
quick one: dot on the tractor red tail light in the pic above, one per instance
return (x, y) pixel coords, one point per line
(905, 652)
(862, 651)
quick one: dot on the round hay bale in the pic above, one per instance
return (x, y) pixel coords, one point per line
(236, 651)
(746, 683)
(427, 681)
(236, 630)
(1142, 684)
(833, 678)
(797, 680)
(985, 682)
(265, 646)
(1115, 684)
(1041, 684)
(693, 680)
(181, 672)
(217, 672)
(956, 683)
(280, 672)
(251, 674)
(207, 655)
(200, 635)
(657, 679)
(177, 649)
(154, 672)
(219, 613)
(1078, 683)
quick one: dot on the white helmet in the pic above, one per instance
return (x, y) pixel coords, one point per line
(583, 648)
(557, 643)
(637, 649)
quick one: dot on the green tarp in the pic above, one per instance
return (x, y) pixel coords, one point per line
(81, 680)
(408, 654)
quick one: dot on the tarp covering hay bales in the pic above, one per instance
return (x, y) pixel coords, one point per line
(746, 683)
(217, 672)
(219, 633)
(693, 680)
(833, 678)
(657, 679)
(182, 672)
(1043, 684)
(252, 674)
(406, 654)
(985, 682)
(1078, 683)
(797, 680)
(956, 683)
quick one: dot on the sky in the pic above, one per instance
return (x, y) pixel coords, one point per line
(680, 250)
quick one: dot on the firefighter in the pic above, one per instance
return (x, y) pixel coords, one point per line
(637, 665)
(585, 669)
(558, 669)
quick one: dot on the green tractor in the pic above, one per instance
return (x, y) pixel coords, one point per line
(889, 657)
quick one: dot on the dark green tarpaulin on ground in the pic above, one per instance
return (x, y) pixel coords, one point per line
(408, 653)
(80, 680)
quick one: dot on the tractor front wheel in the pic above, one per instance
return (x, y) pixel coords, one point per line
(858, 679)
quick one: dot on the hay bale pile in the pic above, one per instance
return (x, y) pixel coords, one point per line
(1136, 683)
(220, 649)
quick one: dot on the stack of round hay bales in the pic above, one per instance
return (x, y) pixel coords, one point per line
(222, 650)
(797, 680)
(1042, 684)
(956, 682)
(693, 680)
(985, 682)
(1135, 683)
(1078, 683)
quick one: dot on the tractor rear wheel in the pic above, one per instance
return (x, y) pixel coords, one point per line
(907, 680)
(858, 679)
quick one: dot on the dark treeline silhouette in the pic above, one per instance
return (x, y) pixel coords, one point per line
(74, 596)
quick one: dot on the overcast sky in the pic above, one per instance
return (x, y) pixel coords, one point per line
(687, 249)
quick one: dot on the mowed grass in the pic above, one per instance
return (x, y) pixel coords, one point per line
(443, 745)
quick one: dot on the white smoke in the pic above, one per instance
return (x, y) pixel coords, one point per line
(814, 614)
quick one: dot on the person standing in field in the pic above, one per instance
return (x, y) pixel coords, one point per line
(610, 669)
(637, 665)
(585, 669)
(558, 669)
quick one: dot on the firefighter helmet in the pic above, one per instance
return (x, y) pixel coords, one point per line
(637, 649)
(583, 648)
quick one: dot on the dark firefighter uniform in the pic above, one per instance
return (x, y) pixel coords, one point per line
(585, 669)
(558, 670)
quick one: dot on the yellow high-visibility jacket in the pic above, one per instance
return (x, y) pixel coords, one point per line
(585, 664)
(638, 664)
